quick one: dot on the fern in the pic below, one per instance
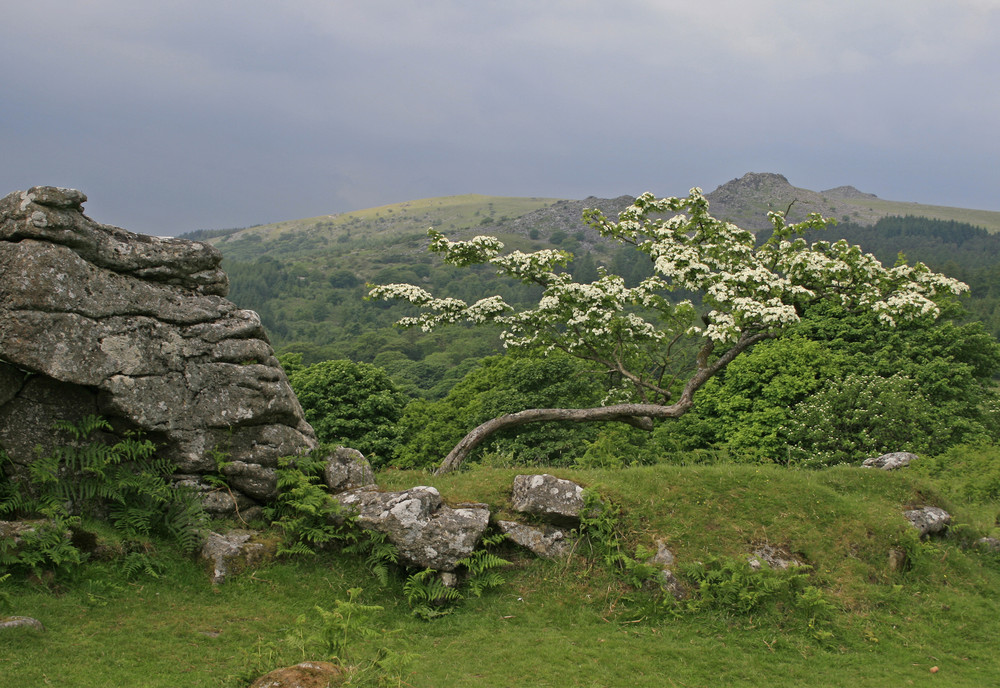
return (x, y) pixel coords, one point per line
(309, 517)
(124, 482)
(380, 554)
(428, 596)
(481, 565)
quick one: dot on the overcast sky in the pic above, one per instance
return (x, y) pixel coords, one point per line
(183, 115)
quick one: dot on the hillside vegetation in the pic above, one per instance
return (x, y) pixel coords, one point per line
(858, 616)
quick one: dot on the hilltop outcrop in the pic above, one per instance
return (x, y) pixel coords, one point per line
(98, 320)
(746, 201)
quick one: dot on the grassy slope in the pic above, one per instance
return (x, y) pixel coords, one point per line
(570, 623)
(987, 219)
(397, 219)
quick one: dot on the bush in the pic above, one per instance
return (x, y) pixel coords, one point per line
(353, 404)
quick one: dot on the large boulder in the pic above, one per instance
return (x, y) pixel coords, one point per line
(96, 319)
(426, 532)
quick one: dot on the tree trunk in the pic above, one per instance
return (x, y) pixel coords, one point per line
(639, 415)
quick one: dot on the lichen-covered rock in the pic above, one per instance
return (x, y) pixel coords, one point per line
(426, 532)
(95, 319)
(558, 501)
(21, 622)
(546, 541)
(234, 552)
(891, 461)
(347, 469)
(303, 675)
(773, 557)
(929, 519)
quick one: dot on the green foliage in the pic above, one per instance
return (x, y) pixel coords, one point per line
(308, 516)
(346, 635)
(735, 588)
(499, 385)
(380, 554)
(480, 566)
(5, 598)
(606, 530)
(96, 478)
(428, 596)
(861, 416)
(969, 472)
(843, 388)
(354, 404)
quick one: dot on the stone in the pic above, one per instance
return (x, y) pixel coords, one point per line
(426, 532)
(21, 622)
(235, 551)
(663, 556)
(546, 541)
(347, 469)
(303, 675)
(988, 544)
(773, 557)
(891, 461)
(672, 584)
(98, 320)
(555, 500)
(929, 520)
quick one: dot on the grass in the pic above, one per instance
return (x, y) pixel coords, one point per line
(569, 623)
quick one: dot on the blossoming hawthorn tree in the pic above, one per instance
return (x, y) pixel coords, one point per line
(748, 293)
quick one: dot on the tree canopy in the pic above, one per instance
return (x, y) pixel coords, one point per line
(658, 349)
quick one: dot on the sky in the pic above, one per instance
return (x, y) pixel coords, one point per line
(181, 115)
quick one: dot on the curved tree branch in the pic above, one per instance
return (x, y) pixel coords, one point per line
(638, 415)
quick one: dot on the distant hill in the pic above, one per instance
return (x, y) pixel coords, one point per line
(744, 201)
(747, 200)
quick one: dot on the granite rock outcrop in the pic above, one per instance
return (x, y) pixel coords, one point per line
(98, 320)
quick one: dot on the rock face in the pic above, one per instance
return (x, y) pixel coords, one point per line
(95, 319)
(548, 542)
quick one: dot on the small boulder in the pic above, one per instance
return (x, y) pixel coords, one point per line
(235, 551)
(426, 532)
(547, 542)
(773, 557)
(988, 544)
(303, 675)
(21, 622)
(929, 519)
(663, 556)
(347, 469)
(890, 462)
(556, 500)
